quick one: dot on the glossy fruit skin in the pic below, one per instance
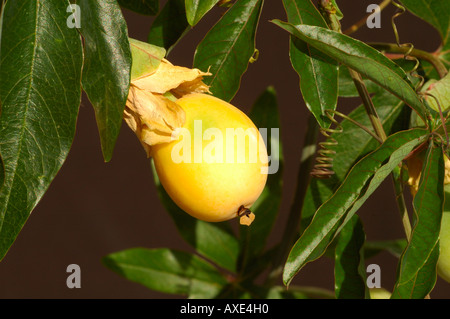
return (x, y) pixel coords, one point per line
(379, 293)
(212, 191)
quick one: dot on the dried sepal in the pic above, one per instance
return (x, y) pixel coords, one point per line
(169, 77)
(152, 116)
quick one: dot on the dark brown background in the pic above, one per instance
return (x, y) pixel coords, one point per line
(94, 208)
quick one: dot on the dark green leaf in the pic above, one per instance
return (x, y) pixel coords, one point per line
(417, 269)
(265, 116)
(357, 55)
(196, 9)
(169, 26)
(352, 145)
(227, 48)
(105, 83)
(318, 72)
(435, 12)
(360, 183)
(349, 268)
(146, 7)
(347, 86)
(212, 240)
(168, 271)
(40, 92)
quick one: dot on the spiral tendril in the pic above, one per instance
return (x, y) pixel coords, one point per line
(410, 47)
(324, 161)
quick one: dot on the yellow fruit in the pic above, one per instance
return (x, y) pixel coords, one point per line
(443, 266)
(379, 293)
(207, 171)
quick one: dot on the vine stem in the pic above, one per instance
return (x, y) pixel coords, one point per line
(378, 128)
(420, 54)
(303, 177)
(355, 27)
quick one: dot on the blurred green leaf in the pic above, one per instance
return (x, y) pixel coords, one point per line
(40, 93)
(362, 58)
(360, 183)
(349, 267)
(394, 247)
(435, 12)
(145, 7)
(168, 271)
(318, 72)
(196, 9)
(253, 238)
(352, 145)
(416, 275)
(214, 241)
(298, 292)
(169, 26)
(106, 84)
(227, 48)
(2, 172)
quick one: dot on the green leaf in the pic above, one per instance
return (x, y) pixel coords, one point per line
(168, 271)
(394, 247)
(439, 90)
(146, 7)
(227, 48)
(196, 9)
(349, 268)
(435, 12)
(40, 92)
(351, 145)
(214, 241)
(360, 183)
(416, 275)
(146, 58)
(253, 238)
(169, 26)
(318, 72)
(347, 85)
(298, 292)
(106, 84)
(362, 58)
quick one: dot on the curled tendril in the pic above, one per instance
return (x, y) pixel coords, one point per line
(410, 47)
(323, 168)
(324, 165)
